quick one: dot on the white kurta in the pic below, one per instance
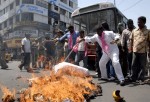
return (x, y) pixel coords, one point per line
(112, 53)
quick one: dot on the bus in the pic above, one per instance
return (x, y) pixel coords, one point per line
(91, 17)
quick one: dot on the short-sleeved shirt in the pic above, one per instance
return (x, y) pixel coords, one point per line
(140, 39)
(27, 45)
(125, 41)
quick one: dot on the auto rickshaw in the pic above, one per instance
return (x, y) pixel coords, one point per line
(7, 57)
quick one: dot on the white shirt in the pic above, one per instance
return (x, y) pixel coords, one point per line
(27, 45)
(81, 46)
(109, 37)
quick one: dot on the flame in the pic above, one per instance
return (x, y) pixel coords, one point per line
(8, 96)
(59, 87)
(66, 84)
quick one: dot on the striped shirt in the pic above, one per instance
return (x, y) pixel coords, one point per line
(140, 39)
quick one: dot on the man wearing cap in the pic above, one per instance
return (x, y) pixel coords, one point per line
(72, 37)
(26, 50)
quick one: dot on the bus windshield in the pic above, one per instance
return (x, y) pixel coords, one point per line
(91, 17)
(91, 21)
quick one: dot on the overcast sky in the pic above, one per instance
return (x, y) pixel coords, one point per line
(132, 9)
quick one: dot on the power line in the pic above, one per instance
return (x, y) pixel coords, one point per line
(121, 2)
(132, 5)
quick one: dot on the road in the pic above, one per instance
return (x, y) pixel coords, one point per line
(130, 92)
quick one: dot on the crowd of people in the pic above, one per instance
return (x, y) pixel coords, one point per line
(121, 55)
(124, 53)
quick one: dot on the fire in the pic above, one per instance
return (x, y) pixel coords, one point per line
(8, 95)
(66, 84)
(57, 88)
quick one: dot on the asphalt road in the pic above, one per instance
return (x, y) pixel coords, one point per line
(130, 92)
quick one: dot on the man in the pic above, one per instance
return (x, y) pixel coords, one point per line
(59, 47)
(125, 43)
(3, 47)
(81, 49)
(26, 51)
(49, 46)
(122, 54)
(72, 37)
(110, 69)
(140, 38)
(107, 41)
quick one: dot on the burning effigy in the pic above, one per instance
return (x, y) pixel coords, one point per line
(66, 83)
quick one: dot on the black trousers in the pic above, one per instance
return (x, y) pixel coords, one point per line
(81, 56)
(138, 66)
(26, 59)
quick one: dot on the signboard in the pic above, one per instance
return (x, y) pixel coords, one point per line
(54, 15)
(33, 23)
(32, 8)
(62, 5)
(21, 33)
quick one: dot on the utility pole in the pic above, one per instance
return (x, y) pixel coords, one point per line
(115, 2)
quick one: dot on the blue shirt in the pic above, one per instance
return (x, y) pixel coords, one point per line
(67, 35)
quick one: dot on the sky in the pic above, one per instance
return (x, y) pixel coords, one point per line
(132, 9)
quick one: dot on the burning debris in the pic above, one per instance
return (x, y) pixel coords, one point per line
(66, 83)
(8, 95)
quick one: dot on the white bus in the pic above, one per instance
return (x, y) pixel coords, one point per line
(90, 17)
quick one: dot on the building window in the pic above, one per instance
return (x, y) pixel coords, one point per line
(11, 6)
(50, 21)
(17, 18)
(71, 4)
(5, 24)
(11, 21)
(70, 15)
(27, 17)
(1, 12)
(62, 11)
(0, 26)
(17, 2)
(42, 3)
(62, 25)
(6, 9)
(55, 7)
(64, 1)
(49, 6)
(28, 1)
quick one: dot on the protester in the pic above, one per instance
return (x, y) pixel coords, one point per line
(41, 52)
(140, 38)
(3, 48)
(72, 37)
(107, 41)
(26, 51)
(81, 49)
(122, 54)
(125, 43)
(59, 46)
(49, 46)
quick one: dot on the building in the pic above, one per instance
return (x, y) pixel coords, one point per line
(36, 17)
